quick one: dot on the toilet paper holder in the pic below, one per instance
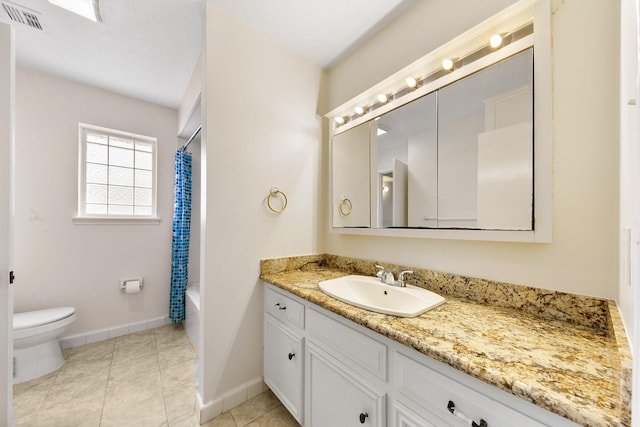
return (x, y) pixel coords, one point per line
(130, 286)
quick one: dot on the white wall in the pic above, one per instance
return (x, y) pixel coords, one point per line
(261, 130)
(7, 75)
(629, 159)
(62, 263)
(583, 257)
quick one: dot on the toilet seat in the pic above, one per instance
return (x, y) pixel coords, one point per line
(33, 323)
(31, 319)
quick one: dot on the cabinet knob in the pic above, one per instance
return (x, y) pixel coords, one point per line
(451, 406)
(291, 355)
(281, 307)
(363, 417)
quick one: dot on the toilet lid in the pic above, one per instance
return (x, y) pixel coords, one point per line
(30, 319)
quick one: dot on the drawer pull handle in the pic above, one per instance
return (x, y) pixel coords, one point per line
(452, 408)
(281, 307)
(291, 355)
(363, 417)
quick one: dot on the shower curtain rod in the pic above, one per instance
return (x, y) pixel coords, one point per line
(184, 147)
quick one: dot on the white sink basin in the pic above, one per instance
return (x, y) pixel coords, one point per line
(371, 294)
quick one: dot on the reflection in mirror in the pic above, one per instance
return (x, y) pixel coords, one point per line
(460, 157)
(485, 148)
(410, 137)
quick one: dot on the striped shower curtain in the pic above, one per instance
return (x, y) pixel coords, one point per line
(181, 234)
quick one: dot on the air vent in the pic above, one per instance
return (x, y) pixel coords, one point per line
(22, 15)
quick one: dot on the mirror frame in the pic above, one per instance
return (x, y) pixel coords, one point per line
(515, 16)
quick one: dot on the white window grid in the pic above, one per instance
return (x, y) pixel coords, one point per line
(117, 174)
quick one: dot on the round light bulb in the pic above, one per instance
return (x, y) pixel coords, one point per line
(339, 120)
(411, 82)
(447, 64)
(359, 110)
(495, 41)
(382, 98)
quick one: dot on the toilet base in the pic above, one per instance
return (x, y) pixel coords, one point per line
(33, 362)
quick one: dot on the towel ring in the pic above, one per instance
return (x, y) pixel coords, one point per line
(275, 192)
(345, 206)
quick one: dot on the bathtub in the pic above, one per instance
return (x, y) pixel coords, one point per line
(192, 313)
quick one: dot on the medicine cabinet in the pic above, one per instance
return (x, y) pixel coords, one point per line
(461, 153)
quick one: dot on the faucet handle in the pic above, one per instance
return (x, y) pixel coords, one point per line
(402, 273)
(381, 270)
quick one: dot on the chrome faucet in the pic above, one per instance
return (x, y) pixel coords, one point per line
(387, 276)
(401, 277)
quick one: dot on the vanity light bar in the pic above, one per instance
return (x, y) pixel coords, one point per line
(496, 41)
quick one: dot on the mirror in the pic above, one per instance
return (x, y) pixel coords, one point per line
(460, 157)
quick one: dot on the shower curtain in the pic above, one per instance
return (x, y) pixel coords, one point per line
(181, 234)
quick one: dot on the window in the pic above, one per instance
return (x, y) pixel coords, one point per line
(117, 174)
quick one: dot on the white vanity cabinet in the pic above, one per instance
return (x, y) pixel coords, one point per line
(329, 371)
(336, 396)
(284, 350)
(434, 396)
(345, 375)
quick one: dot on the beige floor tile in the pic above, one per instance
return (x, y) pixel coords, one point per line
(190, 420)
(170, 329)
(147, 416)
(181, 373)
(90, 388)
(79, 369)
(135, 338)
(278, 417)
(179, 401)
(223, 420)
(137, 403)
(28, 396)
(168, 342)
(136, 366)
(176, 355)
(254, 408)
(126, 394)
(98, 351)
(28, 420)
(141, 346)
(81, 410)
(43, 381)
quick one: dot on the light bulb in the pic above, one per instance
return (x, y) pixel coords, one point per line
(447, 64)
(339, 120)
(411, 82)
(495, 41)
(359, 110)
(382, 98)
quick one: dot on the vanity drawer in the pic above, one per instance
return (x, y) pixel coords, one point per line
(283, 308)
(356, 350)
(434, 393)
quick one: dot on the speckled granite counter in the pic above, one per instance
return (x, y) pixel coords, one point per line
(566, 353)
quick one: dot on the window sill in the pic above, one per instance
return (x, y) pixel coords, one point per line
(115, 220)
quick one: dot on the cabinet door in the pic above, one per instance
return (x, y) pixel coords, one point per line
(337, 397)
(283, 352)
(351, 173)
(404, 417)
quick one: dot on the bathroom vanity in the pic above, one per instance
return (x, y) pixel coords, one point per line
(462, 363)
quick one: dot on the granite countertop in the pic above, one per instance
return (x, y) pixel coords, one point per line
(575, 363)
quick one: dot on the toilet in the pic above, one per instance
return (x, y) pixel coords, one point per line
(36, 350)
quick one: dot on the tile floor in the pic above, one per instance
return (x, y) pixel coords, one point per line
(142, 379)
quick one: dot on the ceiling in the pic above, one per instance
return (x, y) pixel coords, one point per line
(147, 49)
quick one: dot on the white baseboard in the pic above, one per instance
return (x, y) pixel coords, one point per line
(229, 399)
(116, 331)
